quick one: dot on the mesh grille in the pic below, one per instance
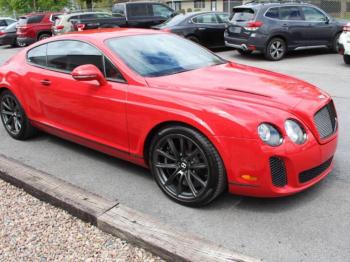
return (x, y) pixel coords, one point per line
(326, 121)
(314, 172)
(278, 172)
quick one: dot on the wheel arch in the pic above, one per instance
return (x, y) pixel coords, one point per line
(283, 37)
(43, 32)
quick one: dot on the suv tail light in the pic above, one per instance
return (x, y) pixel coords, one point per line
(2, 33)
(80, 27)
(253, 25)
(59, 27)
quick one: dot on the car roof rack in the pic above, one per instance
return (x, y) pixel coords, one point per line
(276, 2)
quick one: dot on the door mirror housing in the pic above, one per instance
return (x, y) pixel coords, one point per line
(89, 73)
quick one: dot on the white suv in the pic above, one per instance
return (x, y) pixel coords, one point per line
(344, 44)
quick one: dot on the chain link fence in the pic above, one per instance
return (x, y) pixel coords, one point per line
(336, 8)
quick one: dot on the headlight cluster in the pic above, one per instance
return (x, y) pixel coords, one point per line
(270, 135)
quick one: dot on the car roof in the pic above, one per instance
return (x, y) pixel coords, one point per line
(82, 13)
(257, 5)
(190, 14)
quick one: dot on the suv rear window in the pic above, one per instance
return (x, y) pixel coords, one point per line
(242, 14)
(30, 20)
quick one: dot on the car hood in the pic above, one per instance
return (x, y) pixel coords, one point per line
(239, 82)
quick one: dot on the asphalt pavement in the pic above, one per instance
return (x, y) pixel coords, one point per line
(311, 226)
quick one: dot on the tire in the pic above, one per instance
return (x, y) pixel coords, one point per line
(276, 49)
(193, 38)
(14, 118)
(335, 44)
(43, 36)
(192, 176)
(244, 52)
(347, 59)
(20, 44)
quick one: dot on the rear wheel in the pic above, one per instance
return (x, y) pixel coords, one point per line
(244, 52)
(14, 118)
(276, 49)
(186, 166)
(347, 59)
(20, 43)
(335, 45)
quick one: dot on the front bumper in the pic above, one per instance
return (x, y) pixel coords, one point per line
(252, 157)
(255, 41)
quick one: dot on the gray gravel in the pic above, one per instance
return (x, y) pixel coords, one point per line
(31, 230)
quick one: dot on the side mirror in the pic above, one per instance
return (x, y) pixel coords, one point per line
(89, 73)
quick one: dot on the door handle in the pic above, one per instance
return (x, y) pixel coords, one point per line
(45, 82)
(201, 28)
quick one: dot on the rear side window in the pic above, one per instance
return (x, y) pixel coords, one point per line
(242, 14)
(223, 17)
(37, 55)
(119, 11)
(273, 13)
(138, 10)
(205, 19)
(161, 11)
(67, 55)
(10, 22)
(290, 13)
(35, 19)
(3, 23)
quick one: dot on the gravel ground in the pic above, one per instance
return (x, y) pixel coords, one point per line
(31, 230)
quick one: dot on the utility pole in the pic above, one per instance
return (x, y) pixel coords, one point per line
(34, 5)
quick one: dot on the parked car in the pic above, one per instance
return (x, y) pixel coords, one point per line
(8, 35)
(206, 28)
(201, 124)
(344, 44)
(142, 14)
(276, 28)
(6, 21)
(34, 27)
(84, 21)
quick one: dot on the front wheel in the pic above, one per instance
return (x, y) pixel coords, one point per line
(186, 166)
(14, 118)
(347, 59)
(276, 49)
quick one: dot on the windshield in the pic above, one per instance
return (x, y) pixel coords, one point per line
(161, 54)
(242, 14)
(174, 21)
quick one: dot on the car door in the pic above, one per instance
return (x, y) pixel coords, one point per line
(208, 29)
(83, 109)
(293, 25)
(319, 30)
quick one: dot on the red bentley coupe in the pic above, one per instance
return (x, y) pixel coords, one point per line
(201, 124)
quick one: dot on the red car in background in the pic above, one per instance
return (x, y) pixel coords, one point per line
(201, 124)
(34, 27)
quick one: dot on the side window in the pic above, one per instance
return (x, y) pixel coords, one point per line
(37, 55)
(111, 72)
(73, 18)
(290, 13)
(161, 10)
(205, 19)
(101, 15)
(3, 23)
(119, 11)
(67, 55)
(35, 19)
(273, 13)
(10, 22)
(138, 10)
(312, 14)
(224, 18)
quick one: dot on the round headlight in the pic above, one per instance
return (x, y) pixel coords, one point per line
(295, 131)
(269, 135)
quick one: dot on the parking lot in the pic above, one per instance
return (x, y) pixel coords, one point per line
(311, 226)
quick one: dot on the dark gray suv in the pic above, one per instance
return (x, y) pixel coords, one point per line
(276, 28)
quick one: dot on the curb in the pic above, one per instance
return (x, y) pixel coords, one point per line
(114, 218)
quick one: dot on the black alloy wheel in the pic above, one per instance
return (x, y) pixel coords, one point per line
(14, 118)
(276, 49)
(186, 166)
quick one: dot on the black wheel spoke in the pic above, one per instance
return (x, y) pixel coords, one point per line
(6, 113)
(166, 166)
(6, 105)
(198, 166)
(198, 179)
(173, 148)
(172, 177)
(179, 185)
(182, 146)
(166, 155)
(9, 120)
(193, 154)
(190, 184)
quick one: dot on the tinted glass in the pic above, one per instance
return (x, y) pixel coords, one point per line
(67, 55)
(103, 16)
(161, 10)
(10, 22)
(224, 18)
(112, 72)
(175, 20)
(3, 23)
(273, 13)
(205, 19)
(35, 19)
(161, 54)
(312, 14)
(37, 55)
(290, 13)
(11, 28)
(242, 14)
(137, 10)
(118, 10)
